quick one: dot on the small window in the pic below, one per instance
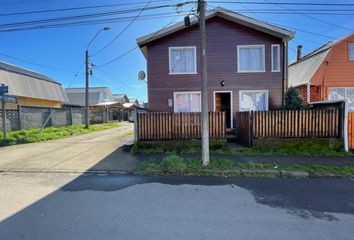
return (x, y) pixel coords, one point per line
(187, 102)
(250, 58)
(351, 51)
(182, 60)
(275, 58)
(253, 100)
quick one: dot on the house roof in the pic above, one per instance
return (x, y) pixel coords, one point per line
(302, 71)
(77, 95)
(225, 14)
(120, 96)
(26, 83)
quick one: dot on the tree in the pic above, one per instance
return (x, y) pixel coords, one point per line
(293, 99)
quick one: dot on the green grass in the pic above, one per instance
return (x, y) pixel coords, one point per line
(50, 133)
(182, 146)
(295, 147)
(264, 147)
(174, 165)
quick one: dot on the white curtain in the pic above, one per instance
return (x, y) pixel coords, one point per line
(251, 59)
(351, 51)
(182, 60)
(188, 102)
(275, 56)
(253, 101)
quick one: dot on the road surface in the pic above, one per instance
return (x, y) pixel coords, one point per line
(70, 206)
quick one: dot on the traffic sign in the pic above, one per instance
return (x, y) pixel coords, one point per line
(4, 89)
(9, 99)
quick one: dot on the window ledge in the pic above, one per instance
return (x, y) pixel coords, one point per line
(276, 71)
(182, 73)
(262, 71)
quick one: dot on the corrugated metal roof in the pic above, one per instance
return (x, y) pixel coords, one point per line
(79, 98)
(223, 13)
(26, 83)
(302, 72)
(96, 95)
(118, 97)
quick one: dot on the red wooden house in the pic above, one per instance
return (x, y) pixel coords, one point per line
(246, 64)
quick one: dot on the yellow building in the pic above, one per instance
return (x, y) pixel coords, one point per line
(31, 88)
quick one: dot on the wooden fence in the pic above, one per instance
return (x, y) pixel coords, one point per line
(168, 126)
(316, 123)
(351, 130)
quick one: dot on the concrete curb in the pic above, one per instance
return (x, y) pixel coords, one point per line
(83, 172)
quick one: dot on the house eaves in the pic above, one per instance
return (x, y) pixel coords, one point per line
(273, 30)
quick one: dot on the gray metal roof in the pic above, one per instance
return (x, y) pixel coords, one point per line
(223, 13)
(26, 83)
(97, 95)
(119, 97)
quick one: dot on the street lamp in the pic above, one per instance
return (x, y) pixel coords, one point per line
(87, 113)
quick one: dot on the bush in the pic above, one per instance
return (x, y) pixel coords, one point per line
(173, 165)
(293, 99)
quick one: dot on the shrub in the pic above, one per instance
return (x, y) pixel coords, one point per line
(173, 165)
(293, 99)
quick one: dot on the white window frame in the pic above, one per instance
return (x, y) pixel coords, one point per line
(231, 102)
(247, 91)
(186, 92)
(182, 47)
(276, 45)
(250, 46)
(350, 44)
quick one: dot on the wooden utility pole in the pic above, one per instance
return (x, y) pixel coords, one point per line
(204, 86)
(3, 90)
(87, 106)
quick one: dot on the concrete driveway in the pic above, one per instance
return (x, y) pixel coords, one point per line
(98, 151)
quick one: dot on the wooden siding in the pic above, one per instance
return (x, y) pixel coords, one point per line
(222, 40)
(336, 70)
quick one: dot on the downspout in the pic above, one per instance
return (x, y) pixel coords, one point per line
(285, 69)
(308, 93)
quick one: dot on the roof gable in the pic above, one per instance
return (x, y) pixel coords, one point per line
(225, 14)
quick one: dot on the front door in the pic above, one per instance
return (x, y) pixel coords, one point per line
(223, 103)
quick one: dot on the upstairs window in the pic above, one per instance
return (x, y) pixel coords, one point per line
(182, 60)
(275, 58)
(351, 51)
(250, 58)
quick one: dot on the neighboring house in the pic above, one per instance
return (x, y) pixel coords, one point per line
(135, 101)
(121, 98)
(142, 104)
(31, 88)
(97, 95)
(246, 60)
(327, 73)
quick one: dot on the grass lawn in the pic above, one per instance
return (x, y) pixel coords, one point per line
(50, 133)
(177, 166)
(284, 147)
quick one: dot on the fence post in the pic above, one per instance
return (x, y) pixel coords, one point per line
(136, 127)
(251, 129)
(71, 116)
(19, 117)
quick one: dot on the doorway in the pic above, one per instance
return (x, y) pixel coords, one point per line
(223, 103)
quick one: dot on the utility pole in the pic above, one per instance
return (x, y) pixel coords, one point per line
(204, 81)
(3, 90)
(87, 107)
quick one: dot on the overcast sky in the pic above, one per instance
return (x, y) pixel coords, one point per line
(60, 52)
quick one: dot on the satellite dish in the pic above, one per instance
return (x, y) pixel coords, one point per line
(141, 75)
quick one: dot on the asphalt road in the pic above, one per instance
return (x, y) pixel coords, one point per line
(67, 206)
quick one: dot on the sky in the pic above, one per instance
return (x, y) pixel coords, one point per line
(60, 52)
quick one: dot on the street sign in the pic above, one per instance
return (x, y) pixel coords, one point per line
(9, 99)
(4, 89)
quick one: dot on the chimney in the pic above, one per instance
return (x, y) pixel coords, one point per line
(298, 52)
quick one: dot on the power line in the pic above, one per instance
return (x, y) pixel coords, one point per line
(91, 22)
(131, 50)
(91, 15)
(317, 19)
(73, 8)
(36, 64)
(286, 3)
(123, 30)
